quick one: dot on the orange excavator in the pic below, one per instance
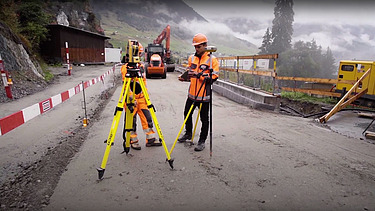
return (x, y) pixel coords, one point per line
(157, 58)
(154, 64)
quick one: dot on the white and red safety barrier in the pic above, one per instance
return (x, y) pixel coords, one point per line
(67, 58)
(13, 121)
(6, 78)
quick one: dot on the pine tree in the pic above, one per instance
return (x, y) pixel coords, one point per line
(306, 59)
(267, 40)
(33, 21)
(282, 28)
(329, 64)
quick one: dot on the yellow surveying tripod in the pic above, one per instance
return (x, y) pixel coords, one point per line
(133, 73)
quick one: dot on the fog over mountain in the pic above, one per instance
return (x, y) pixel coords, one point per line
(149, 17)
(346, 27)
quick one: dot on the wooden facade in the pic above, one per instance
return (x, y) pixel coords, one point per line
(84, 47)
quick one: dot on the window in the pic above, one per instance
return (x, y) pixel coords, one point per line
(155, 49)
(349, 68)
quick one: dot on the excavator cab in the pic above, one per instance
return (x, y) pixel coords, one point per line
(154, 65)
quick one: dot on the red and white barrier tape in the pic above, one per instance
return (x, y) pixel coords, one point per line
(13, 121)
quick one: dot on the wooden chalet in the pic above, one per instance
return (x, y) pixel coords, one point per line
(84, 47)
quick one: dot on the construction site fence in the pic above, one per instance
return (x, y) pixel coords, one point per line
(245, 71)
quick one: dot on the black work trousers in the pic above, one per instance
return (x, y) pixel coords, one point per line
(203, 116)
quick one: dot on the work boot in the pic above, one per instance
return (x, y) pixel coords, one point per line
(135, 145)
(199, 147)
(152, 143)
(186, 136)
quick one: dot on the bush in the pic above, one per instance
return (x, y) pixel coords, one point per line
(33, 22)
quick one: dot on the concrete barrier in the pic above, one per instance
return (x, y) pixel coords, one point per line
(246, 96)
(243, 95)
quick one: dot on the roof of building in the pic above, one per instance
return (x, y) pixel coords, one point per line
(77, 29)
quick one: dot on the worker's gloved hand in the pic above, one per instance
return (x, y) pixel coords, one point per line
(208, 79)
(184, 76)
(200, 74)
(192, 74)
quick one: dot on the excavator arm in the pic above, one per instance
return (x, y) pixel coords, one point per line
(165, 34)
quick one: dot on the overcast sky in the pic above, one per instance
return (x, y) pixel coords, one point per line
(350, 11)
(327, 12)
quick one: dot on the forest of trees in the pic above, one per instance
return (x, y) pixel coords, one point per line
(302, 59)
(27, 19)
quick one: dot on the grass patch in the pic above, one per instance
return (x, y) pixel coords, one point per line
(307, 98)
(48, 76)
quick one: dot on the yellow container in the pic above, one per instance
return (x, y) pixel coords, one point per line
(350, 71)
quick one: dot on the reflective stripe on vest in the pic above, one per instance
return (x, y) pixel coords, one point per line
(207, 97)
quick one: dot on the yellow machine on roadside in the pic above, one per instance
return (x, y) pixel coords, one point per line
(350, 71)
(358, 77)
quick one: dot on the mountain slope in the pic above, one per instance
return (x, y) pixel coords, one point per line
(145, 20)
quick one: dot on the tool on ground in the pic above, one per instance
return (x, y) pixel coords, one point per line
(132, 75)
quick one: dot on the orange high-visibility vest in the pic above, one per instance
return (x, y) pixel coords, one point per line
(198, 89)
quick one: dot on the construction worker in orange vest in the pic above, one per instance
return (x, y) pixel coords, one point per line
(199, 90)
(141, 109)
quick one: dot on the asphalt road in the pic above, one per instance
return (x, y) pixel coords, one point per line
(261, 160)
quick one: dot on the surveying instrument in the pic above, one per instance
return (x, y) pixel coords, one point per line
(134, 77)
(185, 77)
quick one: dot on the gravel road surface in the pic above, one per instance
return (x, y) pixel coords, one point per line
(261, 160)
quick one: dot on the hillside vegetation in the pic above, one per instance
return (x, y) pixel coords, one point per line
(144, 21)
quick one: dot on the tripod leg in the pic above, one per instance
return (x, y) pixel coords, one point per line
(187, 116)
(182, 127)
(112, 132)
(196, 123)
(157, 126)
(128, 122)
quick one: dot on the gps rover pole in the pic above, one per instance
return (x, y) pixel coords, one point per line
(211, 49)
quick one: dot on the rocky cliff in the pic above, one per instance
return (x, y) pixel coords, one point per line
(26, 72)
(23, 65)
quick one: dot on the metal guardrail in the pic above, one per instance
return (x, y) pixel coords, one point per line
(272, 73)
